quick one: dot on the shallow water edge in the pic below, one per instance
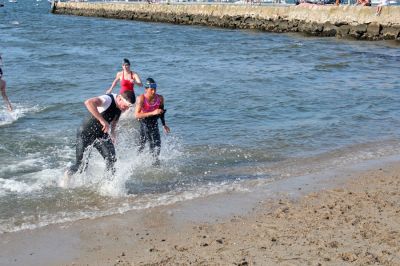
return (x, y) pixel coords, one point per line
(74, 242)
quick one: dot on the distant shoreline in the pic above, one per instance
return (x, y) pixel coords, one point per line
(348, 22)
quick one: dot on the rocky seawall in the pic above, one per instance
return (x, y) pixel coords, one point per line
(355, 22)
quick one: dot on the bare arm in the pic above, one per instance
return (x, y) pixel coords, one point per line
(117, 78)
(138, 109)
(137, 80)
(92, 104)
(4, 95)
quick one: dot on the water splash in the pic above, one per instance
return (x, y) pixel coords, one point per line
(20, 110)
(132, 167)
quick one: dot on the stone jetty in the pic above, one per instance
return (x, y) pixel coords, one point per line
(354, 22)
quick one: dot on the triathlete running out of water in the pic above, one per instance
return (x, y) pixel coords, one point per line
(150, 107)
(127, 78)
(3, 91)
(105, 111)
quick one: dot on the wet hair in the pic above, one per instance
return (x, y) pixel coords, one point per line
(1, 72)
(125, 61)
(150, 83)
(129, 96)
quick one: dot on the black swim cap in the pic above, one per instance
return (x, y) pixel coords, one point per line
(126, 62)
(129, 96)
(150, 83)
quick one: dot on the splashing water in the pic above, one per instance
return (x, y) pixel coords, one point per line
(19, 111)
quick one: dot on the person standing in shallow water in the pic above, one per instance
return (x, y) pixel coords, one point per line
(127, 79)
(150, 107)
(105, 111)
(3, 91)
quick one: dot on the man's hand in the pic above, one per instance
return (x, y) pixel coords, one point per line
(105, 126)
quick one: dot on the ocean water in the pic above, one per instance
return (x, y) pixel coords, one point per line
(242, 105)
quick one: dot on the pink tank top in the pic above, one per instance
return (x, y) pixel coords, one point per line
(148, 107)
(126, 85)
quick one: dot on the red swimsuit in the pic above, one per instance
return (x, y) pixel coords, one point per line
(126, 85)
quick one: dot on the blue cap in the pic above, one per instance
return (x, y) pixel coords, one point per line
(150, 83)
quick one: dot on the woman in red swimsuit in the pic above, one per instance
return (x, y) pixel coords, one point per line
(127, 78)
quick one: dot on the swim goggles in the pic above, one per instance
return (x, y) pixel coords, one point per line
(150, 85)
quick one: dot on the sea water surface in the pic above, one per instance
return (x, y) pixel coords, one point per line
(242, 105)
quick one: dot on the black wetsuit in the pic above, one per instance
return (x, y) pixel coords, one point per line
(149, 132)
(90, 132)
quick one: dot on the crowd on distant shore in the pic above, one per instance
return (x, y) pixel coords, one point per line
(255, 2)
(338, 2)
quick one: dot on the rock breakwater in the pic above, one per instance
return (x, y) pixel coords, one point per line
(353, 22)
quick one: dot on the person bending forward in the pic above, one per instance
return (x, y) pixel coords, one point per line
(104, 112)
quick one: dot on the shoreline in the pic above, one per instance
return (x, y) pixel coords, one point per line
(346, 22)
(351, 218)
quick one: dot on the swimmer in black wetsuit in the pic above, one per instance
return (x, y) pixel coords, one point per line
(104, 111)
(150, 107)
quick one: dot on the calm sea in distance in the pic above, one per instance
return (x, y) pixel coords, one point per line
(242, 105)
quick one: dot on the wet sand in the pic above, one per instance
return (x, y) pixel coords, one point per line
(350, 217)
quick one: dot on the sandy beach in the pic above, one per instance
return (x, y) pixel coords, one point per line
(351, 219)
(283, 150)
